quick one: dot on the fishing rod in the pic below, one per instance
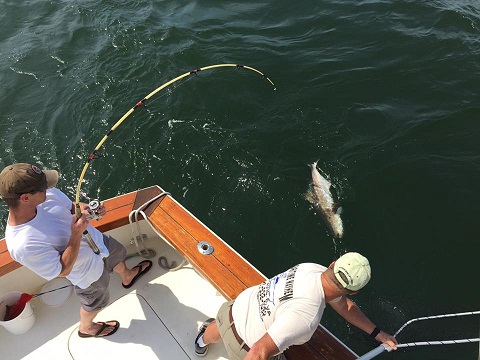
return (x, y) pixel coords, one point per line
(384, 347)
(92, 156)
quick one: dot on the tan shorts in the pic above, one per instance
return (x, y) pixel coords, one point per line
(234, 349)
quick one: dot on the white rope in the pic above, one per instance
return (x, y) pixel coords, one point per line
(439, 342)
(145, 252)
(436, 317)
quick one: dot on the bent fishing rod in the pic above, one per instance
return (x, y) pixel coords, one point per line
(140, 103)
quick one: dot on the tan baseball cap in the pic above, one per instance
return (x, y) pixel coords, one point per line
(355, 269)
(22, 178)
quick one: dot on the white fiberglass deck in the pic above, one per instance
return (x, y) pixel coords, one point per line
(159, 317)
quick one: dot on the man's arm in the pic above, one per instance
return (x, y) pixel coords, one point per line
(69, 256)
(352, 313)
(263, 349)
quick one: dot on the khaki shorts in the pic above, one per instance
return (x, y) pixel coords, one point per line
(234, 349)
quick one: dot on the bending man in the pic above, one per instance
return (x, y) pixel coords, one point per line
(285, 310)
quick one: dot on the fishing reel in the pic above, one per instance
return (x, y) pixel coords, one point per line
(94, 205)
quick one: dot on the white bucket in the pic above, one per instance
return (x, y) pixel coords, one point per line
(23, 322)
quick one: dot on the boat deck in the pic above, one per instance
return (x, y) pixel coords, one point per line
(161, 315)
(159, 319)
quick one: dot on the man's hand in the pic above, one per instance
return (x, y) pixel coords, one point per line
(69, 256)
(387, 339)
(97, 213)
(78, 226)
(101, 210)
(263, 349)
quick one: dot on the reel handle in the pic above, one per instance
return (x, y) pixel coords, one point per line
(94, 205)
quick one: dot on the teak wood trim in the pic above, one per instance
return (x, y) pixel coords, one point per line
(229, 273)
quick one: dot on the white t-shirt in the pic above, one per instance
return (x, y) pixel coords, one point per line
(288, 306)
(39, 243)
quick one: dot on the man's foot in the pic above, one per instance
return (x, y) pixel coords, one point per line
(105, 329)
(202, 350)
(143, 267)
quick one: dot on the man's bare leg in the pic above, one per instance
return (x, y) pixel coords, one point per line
(212, 335)
(127, 274)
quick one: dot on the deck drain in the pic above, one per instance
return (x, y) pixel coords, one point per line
(205, 248)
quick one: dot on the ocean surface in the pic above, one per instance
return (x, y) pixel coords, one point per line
(384, 94)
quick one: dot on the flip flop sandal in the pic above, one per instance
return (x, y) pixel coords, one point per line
(102, 328)
(140, 272)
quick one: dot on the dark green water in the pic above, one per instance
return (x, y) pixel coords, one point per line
(383, 93)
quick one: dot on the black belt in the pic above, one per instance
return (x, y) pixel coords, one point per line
(239, 339)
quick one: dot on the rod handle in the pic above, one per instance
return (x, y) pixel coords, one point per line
(91, 243)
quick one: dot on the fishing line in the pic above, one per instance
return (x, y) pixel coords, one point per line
(142, 103)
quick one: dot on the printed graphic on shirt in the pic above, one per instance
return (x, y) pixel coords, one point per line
(274, 291)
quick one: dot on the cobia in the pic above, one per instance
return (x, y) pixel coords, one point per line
(325, 203)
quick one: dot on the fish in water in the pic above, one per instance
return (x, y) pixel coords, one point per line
(324, 202)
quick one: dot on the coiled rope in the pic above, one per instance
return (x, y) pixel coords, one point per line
(137, 235)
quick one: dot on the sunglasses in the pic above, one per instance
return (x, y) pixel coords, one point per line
(33, 192)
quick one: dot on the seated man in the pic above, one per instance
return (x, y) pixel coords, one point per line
(285, 310)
